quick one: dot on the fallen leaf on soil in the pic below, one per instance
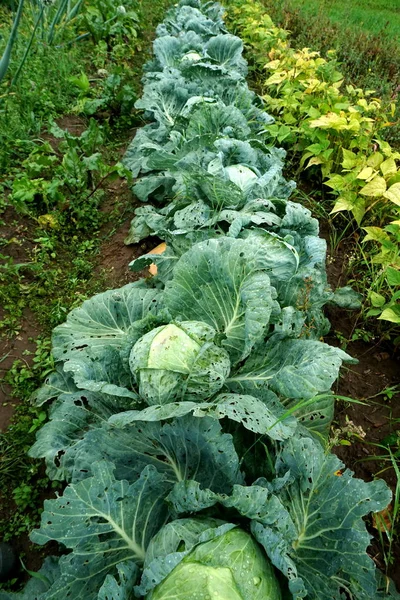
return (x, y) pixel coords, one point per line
(157, 250)
(382, 521)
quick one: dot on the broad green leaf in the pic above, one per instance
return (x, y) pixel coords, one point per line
(224, 283)
(316, 535)
(106, 374)
(107, 320)
(167, 50)
(388, 167)
(104, 522)
(375, 188)
(70, 419)
(282, 257)
(315, 415)
(376, 234)
(344, 202)
(392, 314)
(375, 160)
(147, 221)
(350, 159)
(119, 587)
(216, 119)
(365, 173)
(186, 448)
(346, 297)
(329, 121)
(56, 384)
(377, 300)
(336, 182)
(393, 276)
(260, 416)
(227, 50)
(291, 368)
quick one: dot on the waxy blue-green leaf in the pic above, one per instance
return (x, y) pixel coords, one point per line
(225, 284)
(119, 587)
(291, 368)
(226, 50)
(260, 416)
(56, 384)
(106, 320)
(318, 538)
(106, 374)
(70, 419)
(186, 448)
(105, 522)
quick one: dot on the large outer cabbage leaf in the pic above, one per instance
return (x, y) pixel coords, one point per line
(263, 416)
(225, 284)
(291, 368)
(186, 448)
(107, 374)
(226, 50)
(119, 587)
(107, 319)
(319, 540)
(104, 522)
(309, 520)
(71, 417)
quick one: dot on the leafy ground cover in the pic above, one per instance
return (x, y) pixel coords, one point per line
(189, 411)
(334, 133)
(364, 35)
(64, 206)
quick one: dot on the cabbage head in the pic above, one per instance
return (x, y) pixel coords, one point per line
(179, 361)
(229, 567)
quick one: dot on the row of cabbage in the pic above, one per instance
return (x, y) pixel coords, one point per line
(189, 410)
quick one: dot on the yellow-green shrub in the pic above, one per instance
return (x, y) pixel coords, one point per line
(336, 128)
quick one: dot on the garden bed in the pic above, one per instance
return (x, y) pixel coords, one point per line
(262, 335)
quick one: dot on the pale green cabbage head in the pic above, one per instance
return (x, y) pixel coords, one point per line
(229, 567)
(179, 361)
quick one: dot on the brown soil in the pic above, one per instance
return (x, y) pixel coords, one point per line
(114, 255)
(377, 370)
(18, 231)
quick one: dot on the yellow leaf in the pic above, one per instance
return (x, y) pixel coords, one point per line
(341, 204)
(375, 160)
(349, 159)
(365, 173)
(393, 193)
(316, 160)
(391, 314)
(48, 220)
(375, 188)
(383, 520)
(276, 78)
(274, 64)
(330, 121)
(388, 167)
(157, 250)
(376, 234)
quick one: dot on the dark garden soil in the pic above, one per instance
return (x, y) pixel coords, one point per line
(368, 429)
